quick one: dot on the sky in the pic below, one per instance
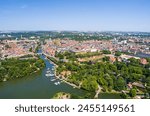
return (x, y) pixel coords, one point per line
(77, 15)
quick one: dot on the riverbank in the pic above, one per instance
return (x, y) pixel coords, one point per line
(58, 77)
(65, 81)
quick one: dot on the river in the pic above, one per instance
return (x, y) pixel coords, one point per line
(37, 86)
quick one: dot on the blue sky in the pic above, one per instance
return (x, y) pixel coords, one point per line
(80, 15)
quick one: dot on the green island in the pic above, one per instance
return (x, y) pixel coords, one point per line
(24, 66)
(97, 74)
(62, 95)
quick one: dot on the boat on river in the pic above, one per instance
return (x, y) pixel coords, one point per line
(53, 79)
(53, 68)
(52, 75)
(57, 83)
(49, 73)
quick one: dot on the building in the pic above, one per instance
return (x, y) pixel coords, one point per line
(143, 61)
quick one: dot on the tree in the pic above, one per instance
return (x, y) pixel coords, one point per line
(106, 58)
(135, 69)
(0, 54)
(102, 81)
(106, 52)
(3, 72)
(89, 84)
(7, 46)
(136, 77)
(132, 92)
(148, 81)
(134, 62)
(118, 53)
(124, 95)
(120, 84)
(110, 83)
(124, 69)
(30, 50)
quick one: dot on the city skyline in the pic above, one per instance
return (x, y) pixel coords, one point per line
(78, 15)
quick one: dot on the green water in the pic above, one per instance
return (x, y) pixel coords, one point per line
(38, 87)
(109, 96)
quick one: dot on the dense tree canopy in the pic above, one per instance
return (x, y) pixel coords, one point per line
(109, 76)
(15, 68)
(132, 92)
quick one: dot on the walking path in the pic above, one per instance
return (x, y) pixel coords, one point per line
(97, 92)
(73, 85)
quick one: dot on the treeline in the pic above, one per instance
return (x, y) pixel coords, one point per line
(14, 68)
(53, 60)
(117, 53)
(81, 38)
